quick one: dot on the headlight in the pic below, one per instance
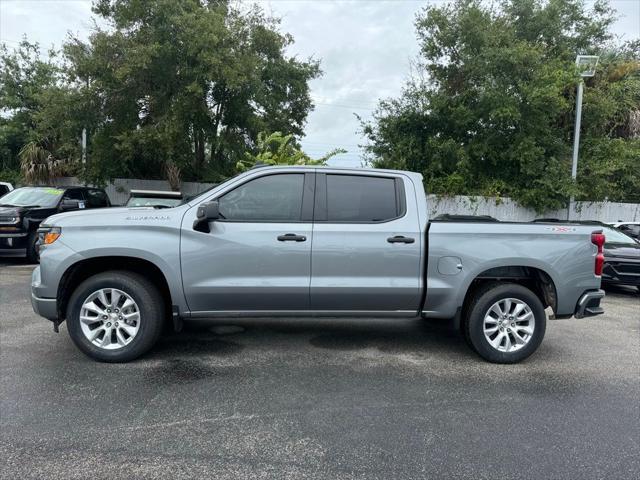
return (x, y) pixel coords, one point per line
(48, 235)
(11, 220)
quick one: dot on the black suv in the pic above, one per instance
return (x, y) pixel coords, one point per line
(22, 210)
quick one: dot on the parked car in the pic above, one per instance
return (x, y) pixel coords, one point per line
(630, 228)
(5, 187)
(621, 259)
(23, 209)
(311, 241)
(154, 198)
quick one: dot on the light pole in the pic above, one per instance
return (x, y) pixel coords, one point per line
(587, 67)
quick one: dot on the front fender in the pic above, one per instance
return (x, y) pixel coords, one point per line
(159, 245)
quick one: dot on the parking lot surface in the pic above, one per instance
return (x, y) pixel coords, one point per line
(334, 398)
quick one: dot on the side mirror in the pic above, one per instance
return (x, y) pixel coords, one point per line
(207, 212)
(67, 205)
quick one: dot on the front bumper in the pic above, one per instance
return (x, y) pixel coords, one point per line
(12, 243)
(589, 304)
(45, 307)
(621, 271)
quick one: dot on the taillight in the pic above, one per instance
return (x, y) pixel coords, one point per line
(598, 238)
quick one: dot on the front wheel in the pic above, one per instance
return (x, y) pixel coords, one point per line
(32, 248)
(115, 316)
(506, 323)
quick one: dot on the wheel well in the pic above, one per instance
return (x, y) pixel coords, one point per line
(79, 272)
(536, 280)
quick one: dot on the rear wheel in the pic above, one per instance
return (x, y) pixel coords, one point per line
(115, 316)
(506, 323)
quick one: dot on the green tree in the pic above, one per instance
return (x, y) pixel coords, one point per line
(490, 108)
(279, 149)
(29, 84)
(184, 83)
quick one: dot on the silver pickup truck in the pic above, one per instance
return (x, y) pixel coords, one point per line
(310, 241)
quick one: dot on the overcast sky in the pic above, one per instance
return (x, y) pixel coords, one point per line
(365, 48)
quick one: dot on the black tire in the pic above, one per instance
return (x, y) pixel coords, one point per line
(32, 252)
(483, 300)
(150, 304)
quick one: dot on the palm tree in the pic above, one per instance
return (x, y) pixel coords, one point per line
(38, 166)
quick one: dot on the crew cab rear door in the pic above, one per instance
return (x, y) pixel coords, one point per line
(367, 244)
(257, 255)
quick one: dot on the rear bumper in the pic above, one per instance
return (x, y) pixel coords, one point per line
(589, 304)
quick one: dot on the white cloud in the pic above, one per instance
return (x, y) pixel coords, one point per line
(365, 48)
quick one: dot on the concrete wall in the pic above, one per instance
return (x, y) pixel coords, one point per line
(506, 209)
(503, 209)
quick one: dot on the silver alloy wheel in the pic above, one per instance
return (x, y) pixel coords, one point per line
(109, 318)
(509, 324)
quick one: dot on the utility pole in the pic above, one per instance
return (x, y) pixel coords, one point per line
(84, 147)
(84, 142)
(587, 66)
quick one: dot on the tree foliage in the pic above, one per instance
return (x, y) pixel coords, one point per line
(38, 166)
(29, 87)
(181, 87)
(279, 149)
(490, 107)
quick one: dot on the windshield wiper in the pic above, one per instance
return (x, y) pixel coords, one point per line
(18, 206)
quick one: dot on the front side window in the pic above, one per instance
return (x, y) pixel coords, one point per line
(73, 194)
(359, 198)
(273, 198)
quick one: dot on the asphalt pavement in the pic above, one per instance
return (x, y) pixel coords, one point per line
(319, 399)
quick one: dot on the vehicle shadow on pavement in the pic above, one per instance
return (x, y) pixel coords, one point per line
(625, 290)
(400, 336)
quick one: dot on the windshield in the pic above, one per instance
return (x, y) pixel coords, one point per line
(189, 198)
(153, 202)
(616, 236)
(32, 197)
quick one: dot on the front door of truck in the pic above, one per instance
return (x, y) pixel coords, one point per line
(257, 256)
(367, 244)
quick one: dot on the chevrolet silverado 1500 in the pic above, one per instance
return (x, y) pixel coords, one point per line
(310, 241)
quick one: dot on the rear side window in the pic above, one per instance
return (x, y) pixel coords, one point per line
(3, 189)
(97, 199)
(354, 198)
(273, 198)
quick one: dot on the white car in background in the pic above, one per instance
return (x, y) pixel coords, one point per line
(630, 228)
(5, 188)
